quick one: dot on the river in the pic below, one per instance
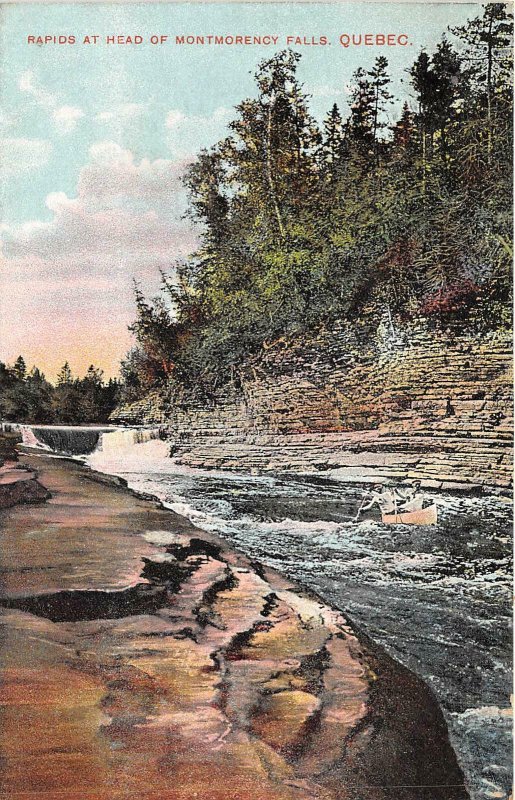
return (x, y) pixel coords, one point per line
(437, 598)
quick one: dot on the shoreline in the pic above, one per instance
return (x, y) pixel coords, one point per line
(259, 695)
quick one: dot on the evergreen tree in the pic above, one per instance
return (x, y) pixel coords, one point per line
(381, 98)
(65, 375)
(361, 124)
(20, 368)
(333, 144)
(487, 54)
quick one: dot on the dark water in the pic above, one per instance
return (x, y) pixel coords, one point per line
(72, 441)
(437, 597)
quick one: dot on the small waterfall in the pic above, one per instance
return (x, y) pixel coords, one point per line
(66, 440)
(128, 449)
(29, 438)
(104, 443)
(123, 440)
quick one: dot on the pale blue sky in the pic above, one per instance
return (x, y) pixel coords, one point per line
(95, 137)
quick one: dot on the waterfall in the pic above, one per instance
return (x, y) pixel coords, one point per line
(124, 439)
(67, 440)
(128, 449)
(102, 446)
(29, 438)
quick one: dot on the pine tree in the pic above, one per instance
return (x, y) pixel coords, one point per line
(64, 376)
(449, 88)
(488, 54)
(361, 124)
(333, 144)
(381, 97)
(404, 129)
(20, 368)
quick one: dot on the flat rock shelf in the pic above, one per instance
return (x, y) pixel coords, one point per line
(145, 658)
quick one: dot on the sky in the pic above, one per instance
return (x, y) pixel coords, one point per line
(96, 138)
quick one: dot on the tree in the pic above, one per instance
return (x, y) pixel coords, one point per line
(20, 369)
(404, 129)
(381, 97)
(65, 375)
(488, 57)
(333, 143)
(361, 124)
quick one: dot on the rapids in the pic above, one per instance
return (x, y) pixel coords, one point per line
(437, 598)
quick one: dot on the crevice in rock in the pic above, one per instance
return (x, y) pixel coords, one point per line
(244, 638)
(167, 573)
(312, 668)
(196, 547)
(81, 605)
(271, 602)
(204, 611)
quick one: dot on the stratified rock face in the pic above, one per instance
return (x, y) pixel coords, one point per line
(156, 663)
(433, 406)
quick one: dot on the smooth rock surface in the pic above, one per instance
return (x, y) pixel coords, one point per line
(232, 684)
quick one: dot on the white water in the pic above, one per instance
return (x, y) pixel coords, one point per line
(437, 598)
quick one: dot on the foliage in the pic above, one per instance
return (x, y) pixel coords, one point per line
(29, 397)
(305, 224)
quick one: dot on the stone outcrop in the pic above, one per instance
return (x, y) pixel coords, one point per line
(143, 658)
(359, 405)
(18, 484)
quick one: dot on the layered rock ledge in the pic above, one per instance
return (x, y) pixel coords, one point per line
(359, 405)
(18, 483)
(145, 659)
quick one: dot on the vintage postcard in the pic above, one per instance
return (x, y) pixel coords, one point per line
(256, 401)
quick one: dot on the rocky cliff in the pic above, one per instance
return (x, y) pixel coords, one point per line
(358, 405)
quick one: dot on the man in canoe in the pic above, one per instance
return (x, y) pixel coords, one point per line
(382, 496)
(393, 501)
(411, 498)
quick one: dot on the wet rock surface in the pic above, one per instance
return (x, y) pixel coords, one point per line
(144, 658)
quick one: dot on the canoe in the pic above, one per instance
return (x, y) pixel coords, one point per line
(425, 516)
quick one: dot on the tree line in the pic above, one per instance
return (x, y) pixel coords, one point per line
(303, 223)
(27, 396)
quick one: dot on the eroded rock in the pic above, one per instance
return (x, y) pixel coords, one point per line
(231, 683)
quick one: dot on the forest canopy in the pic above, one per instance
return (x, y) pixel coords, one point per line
(27, 396)
(304, 223)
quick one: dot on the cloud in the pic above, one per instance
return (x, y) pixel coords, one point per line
(174, 119)
(122, 112)
(74, 272)
(186, 134)
(29, 84)
(325, 91)
(125, 213)
(22, 155)
(66, 118)
(113, 173)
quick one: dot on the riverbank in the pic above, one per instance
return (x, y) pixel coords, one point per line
(145, 658)
(355, 406)
(438, 598)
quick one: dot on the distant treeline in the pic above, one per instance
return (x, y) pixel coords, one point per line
(362, 216)
(26, 396)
